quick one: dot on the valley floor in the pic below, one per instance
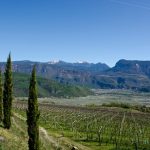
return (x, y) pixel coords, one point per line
(63, 127)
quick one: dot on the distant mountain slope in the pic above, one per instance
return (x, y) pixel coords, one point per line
(132, 67)
(130, 74)
(46, 87)
(126, 74)
(52, 68)
(63, 72)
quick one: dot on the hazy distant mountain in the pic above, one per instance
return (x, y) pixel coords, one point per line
(78, 73)
(128, 74)
(53, 67)
(80, 66)
(60, 70)
(132, 67)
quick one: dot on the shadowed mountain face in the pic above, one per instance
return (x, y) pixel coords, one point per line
(132, 67)
(125, 74)
(51, 69)
(130, 74)
(76, 73)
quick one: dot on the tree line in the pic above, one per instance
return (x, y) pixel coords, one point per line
(6, 98)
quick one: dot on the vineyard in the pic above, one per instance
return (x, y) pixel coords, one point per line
(97, 128)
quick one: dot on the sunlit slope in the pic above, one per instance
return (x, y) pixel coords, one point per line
(46, 87)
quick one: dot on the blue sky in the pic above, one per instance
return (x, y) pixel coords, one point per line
(73, 30)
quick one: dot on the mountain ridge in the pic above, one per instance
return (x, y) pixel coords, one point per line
(133, 66)
(126, 74)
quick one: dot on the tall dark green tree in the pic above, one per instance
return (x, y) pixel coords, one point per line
(33, 114)
(7, 94)
(1, 97)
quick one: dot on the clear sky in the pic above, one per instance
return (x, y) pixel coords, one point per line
(72, 30)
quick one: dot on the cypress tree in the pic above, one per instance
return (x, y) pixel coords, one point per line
(7, 94)
(1, 97)
(33, 114)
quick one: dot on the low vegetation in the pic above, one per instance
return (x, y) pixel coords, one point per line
(141, 108)
(97, 128)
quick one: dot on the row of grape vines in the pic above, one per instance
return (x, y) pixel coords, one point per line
(122, 129)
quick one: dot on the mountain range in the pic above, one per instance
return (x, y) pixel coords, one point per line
(126, 74)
